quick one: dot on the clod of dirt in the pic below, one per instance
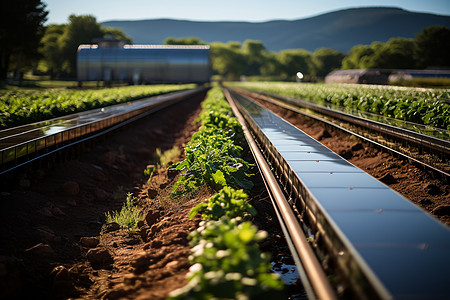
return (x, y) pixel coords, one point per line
(442, 210)
(323, 134)
(89, 241)
(357, 146)
(60, 273)
(71, 188)
(99, 257)
(110, 227)
(432, 189)
(388, 179)
(347, 154)
(152, 217)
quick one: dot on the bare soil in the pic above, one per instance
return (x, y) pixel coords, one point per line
(431, 194)
(54, 244)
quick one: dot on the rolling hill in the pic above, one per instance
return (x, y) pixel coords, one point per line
(339, 30)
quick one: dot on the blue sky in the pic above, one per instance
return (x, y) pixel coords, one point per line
(224, 10)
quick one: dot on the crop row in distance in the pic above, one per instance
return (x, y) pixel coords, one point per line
(20, 106)
(418, 105)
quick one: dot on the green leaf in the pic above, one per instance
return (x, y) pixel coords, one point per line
(196, 209)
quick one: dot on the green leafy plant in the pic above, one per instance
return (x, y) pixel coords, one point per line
(128, 217)
(212, 156)
(227, 263)
(20, 106)
(227, 202)
(419, 105)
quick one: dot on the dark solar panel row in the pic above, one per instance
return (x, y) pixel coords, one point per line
(376, 235)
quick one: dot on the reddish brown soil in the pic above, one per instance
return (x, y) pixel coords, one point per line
(420, 187)
(54, 244)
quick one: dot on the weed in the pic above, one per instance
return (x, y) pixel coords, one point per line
(162, 159)
(129, 215)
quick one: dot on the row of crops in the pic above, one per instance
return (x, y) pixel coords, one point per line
(226, 262)
(422, 106)
(20, 106)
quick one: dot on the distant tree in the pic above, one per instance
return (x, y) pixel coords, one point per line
(255, 53)
(117, 33)
(21, 29)
(295, 60)
(326, 60)
(184, 41)
(51, 49)
(434, 46)
(271, 65)
(397, 53)
(227, 59)
(360, 56)
(80, 30)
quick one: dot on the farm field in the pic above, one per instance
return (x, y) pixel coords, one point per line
(23, 106)
(423, 106)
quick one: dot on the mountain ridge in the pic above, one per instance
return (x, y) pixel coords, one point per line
(339, 30)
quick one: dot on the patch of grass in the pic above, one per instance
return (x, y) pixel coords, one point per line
(128, 217)
(163, 158)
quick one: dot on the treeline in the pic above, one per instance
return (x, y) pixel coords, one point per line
(431, 48)
(52, 50)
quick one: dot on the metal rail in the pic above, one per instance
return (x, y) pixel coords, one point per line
(419, 139)
(27, 143)
(377, 243)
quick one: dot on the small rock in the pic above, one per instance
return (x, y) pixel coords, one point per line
(110, 227)
(432, 189)
(90, 241)
(357, 146)
(442, 210)
(388, 179)
(60, 273)
(25, 183)
(99, 257)
(100, 194)
(152, 217)
(41, 250)
(56, 211)
(71, 188)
